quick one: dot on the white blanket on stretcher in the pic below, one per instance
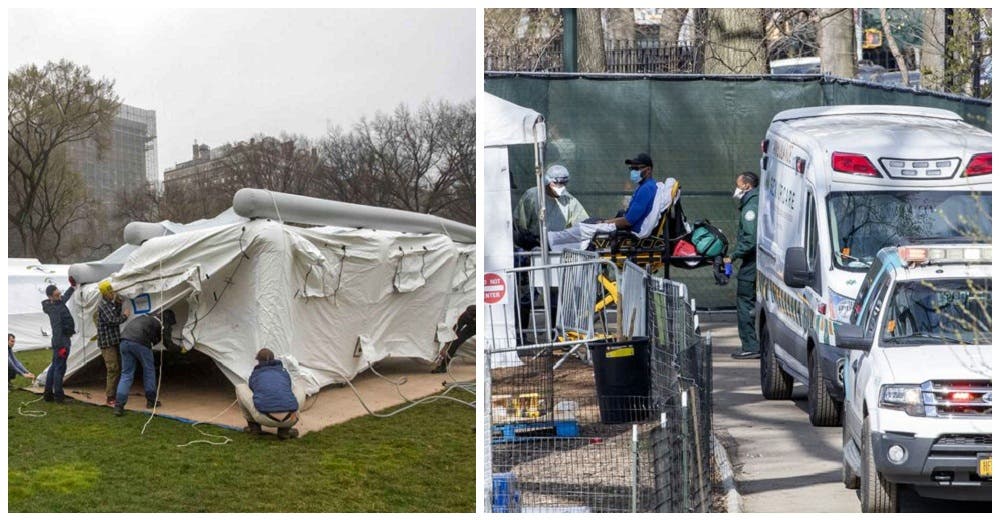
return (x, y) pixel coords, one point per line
(576, 237)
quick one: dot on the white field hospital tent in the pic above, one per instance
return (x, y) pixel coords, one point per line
(504, 124)
(328, 300)
(27, 279)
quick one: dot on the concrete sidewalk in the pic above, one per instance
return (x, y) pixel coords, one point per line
(782, 463)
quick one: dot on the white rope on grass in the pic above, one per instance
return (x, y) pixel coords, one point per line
(410, 403)
(206, 434)
(159, 377)
(159, 380)
(30, 413)
(428, 399)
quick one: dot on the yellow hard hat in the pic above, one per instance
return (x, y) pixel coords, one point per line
(105, 287)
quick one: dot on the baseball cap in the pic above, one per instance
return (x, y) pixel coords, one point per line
(641, 159)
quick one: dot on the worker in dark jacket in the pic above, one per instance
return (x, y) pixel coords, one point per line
(746, 250)
(270, 398)
(14, 366)
(138, 338)
(63, 328)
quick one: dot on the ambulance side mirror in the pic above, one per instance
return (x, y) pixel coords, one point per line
(797, 273)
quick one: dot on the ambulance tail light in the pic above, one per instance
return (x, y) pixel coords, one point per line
(800, 165)
(980, 164)
(854, 164)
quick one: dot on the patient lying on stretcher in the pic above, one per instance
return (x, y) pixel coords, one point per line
(579, 235)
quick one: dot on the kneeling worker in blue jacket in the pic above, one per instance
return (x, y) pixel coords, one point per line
(270, 398)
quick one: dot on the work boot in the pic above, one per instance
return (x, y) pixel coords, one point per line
(253, 428)
(48, 398)
(150, 403)
(60, 399)
(111, 402)
(745, 355)
(119, 411)
(287, 433)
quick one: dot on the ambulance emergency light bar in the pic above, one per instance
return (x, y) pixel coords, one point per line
(946, 255)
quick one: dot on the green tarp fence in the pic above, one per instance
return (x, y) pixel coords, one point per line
(701, 130)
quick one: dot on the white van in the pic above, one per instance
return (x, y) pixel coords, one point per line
(838, 184)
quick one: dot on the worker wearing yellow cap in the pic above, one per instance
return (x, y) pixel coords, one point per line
(110, 316)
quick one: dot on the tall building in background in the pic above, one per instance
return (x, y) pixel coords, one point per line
(128, 163)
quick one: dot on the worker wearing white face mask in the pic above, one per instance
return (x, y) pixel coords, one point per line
(562, 210)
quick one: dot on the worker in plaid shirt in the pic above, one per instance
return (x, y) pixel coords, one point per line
(110, 316)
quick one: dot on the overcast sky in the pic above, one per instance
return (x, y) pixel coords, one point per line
(221, 75)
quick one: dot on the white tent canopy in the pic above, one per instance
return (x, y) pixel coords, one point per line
(328, 300)
(27, 279)
(505, 123)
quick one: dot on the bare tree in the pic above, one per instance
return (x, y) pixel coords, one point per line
(48, 108)
(140, 203)
(590, 41)
(286, 164)
(621, 25)
(835, 39)
(521, 39)
(891, 41)
(735, 42)
(932, 49)
(421, 161)
(671, 22)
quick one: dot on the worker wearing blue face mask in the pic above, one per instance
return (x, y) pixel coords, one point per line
(641, 175)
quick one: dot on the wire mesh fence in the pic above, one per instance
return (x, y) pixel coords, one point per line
(631, 433)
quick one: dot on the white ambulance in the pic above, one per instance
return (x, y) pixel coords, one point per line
(838, 184)
(919, 402)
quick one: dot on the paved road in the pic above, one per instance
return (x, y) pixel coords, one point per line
(782, 463)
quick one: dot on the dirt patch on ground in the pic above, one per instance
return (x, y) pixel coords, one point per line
(195, 390)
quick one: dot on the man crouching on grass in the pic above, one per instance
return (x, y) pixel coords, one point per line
(270, 399)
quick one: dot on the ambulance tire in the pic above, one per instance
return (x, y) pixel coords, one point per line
(775, 383)
(823, 409)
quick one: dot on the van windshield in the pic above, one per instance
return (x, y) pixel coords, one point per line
(940, 312)
(862, 223)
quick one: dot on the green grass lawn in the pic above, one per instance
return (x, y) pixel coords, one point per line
(81, 458)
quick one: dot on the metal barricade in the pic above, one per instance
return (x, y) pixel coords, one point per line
(551, 446)
(632, 300)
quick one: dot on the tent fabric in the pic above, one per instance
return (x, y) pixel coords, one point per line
(505, 123)
(27, 279)
(327, 300)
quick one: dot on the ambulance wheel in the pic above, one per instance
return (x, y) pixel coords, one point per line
(823, 410)
(775, 383)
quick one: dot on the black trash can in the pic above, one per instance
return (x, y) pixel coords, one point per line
(621, 371)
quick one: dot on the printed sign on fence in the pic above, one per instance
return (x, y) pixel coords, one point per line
(494, 289)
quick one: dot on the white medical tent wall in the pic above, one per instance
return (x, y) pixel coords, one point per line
(504, 124)
(328, 300)
(27, 279)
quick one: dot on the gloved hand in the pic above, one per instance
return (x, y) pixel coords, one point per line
(63, 352)
(72, 281)
(719, 268)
